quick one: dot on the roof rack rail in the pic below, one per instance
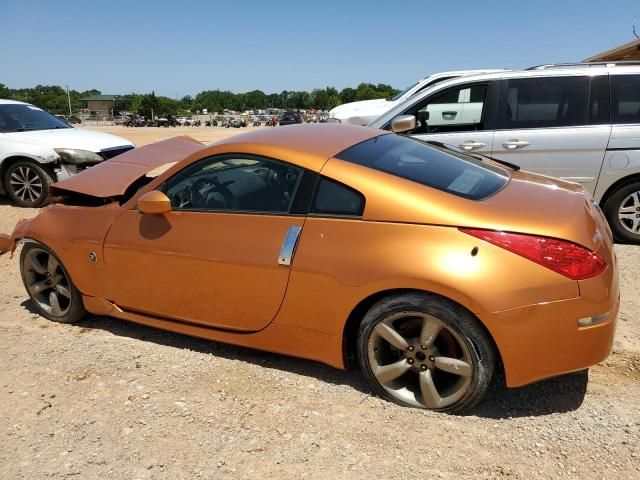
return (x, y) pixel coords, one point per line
(613, 63)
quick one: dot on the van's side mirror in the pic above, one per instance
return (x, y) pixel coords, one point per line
(403, 123)
(154, 203)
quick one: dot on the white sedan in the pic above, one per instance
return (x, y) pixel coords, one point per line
(38, 149)
(365, 111)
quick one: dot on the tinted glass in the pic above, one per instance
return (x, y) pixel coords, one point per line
(545, 102)
(333, 198)
(250, 184)
(625, 98)
(429, 165)
(457, 109)
(599, 101)
(22, 118)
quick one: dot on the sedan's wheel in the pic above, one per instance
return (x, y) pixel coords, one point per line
(27, 183)
(622, 210)
(423, 351)
(49, 285)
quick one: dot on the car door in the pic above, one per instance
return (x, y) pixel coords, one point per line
(555, 126)
(222, 257)
(460, 116)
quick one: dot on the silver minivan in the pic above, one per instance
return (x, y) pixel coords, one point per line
(578, 122)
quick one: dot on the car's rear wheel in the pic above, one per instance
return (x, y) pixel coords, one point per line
(27, 183)
(622, 210)
(423, 351)
(49, 285)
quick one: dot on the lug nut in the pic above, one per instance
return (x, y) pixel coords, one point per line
(424, 347)
(423, 367)
(410, 361)
(432, 358)
(411, 348)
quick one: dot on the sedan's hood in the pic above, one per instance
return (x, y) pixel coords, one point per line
(112, 177)
(76, 138)
(364, 108)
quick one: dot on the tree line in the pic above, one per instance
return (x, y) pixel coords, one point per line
(54, 99)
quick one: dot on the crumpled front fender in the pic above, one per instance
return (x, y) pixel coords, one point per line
(8, 243)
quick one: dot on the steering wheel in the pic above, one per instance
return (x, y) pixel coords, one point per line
(201, 189)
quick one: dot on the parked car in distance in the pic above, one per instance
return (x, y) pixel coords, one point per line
(38, 149)
(427, 267)
(291, 118)
(70, 119)
(365, 111)
(577, 122)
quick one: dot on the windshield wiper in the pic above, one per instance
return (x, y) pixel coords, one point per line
(481, 156)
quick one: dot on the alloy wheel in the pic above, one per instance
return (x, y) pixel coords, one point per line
(629, 213)
(420, 360)
(47, 282)
(26, 184)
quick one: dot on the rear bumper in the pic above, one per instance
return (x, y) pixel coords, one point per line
(545, 340)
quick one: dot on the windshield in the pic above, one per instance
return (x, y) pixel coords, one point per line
(18, 117)
(430, 165)
(398, 96)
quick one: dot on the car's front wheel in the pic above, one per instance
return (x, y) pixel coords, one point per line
(622, 210)
(27, 183)
(423, 351)
(49, 285)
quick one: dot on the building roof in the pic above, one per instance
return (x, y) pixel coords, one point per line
(627, 51)
(101, 97)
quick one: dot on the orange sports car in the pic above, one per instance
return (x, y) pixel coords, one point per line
(427, 267)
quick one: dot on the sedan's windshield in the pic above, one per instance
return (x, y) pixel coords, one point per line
(18, 117)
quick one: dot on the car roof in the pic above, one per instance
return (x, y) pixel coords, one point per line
(5, 101)
(323, 140)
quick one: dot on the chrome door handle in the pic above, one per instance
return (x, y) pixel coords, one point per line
(514, 144)
(471, 145)
(289, 245)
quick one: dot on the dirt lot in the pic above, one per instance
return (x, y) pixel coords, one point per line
(107, 399)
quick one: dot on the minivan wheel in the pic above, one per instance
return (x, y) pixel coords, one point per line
(423, 351)
(49, 285)
(622, 210)
(27, 183)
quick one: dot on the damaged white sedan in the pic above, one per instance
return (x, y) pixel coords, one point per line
(38, 149)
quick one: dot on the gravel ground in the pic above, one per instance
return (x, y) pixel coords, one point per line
(107, 399)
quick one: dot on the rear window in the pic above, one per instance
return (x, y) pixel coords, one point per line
(429, 165)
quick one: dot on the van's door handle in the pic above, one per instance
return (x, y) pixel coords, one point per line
(471, 145)
(289, 246)
(515, 144)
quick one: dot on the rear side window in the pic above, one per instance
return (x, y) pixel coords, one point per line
(429, 165)
(544, 103)
(333, 198)
(625, 98)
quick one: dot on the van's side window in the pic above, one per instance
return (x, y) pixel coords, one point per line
(625, 98)
(544, 102)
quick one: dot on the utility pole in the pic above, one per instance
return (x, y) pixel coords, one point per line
(69, 100)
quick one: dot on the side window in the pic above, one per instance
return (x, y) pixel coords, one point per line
(234, 182)
(544, 102)
(458, 109)
(625, 98)
(333, 198)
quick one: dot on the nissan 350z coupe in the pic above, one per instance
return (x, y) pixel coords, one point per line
(427, 267)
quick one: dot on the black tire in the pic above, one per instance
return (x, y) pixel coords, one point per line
(72, 306)
(479, 346)
(36, 192)
(611, 209)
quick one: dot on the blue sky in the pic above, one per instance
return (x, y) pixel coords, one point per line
(182, 47)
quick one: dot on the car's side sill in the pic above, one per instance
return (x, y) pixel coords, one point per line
(276, 338)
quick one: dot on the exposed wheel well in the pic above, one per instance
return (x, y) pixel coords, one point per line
(615, 186)
(350, 334)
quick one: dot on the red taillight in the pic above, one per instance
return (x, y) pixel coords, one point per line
(566, 258)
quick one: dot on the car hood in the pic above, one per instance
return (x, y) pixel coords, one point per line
(112, 177)
(366, 107)
(76, 138)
